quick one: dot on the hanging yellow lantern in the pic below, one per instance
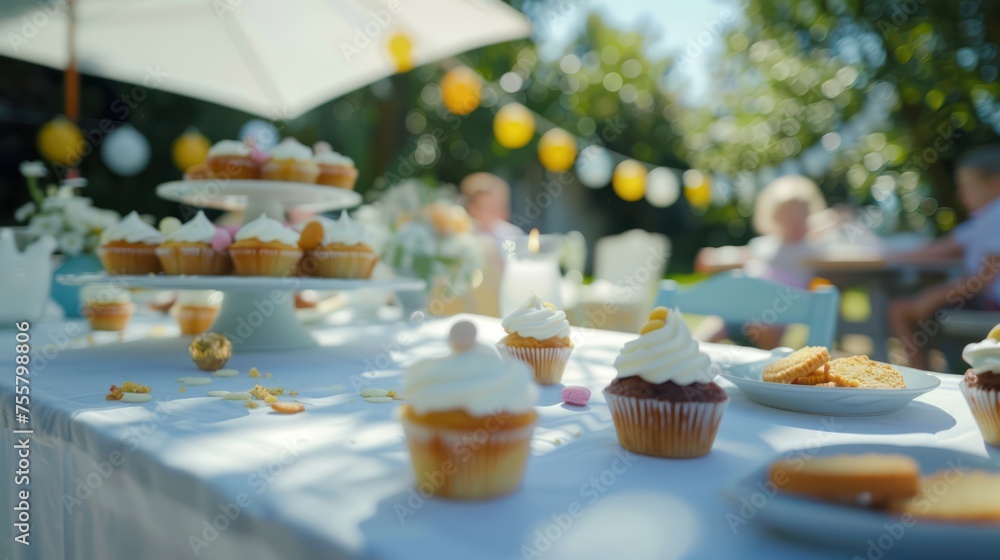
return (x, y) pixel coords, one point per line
(461, 90)
(190, 149)
(400, 51)
(557, 150)
(60, 141)
(697, 188)
(514, 126)
(629, 180)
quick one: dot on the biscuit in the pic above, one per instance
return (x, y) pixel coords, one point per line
(971, 496)
(820, 376)
(859, 371)
(871, 479)
(800, 363)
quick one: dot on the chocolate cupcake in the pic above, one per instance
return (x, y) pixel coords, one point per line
(981, 386)
(663, 401)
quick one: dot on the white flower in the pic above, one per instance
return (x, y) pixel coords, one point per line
(416, 238)
(55, 203)
(75, 182)
(24, 212)
(51, 224)
(71, 243)
(33, 169)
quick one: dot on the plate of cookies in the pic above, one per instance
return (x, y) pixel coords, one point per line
(870, 499)
(810, 381)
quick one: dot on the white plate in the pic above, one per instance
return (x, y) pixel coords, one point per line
(833, 401)
(861, 533)
(240, 283)
(233, 195)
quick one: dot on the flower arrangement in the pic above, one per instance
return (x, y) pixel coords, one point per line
(70, 219)
(422, 232)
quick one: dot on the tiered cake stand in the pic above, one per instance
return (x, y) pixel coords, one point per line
(258, 312)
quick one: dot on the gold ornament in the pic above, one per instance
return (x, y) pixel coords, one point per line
(210, 351)
(60, 141)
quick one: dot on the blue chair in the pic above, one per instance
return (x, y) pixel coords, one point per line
(740, 299)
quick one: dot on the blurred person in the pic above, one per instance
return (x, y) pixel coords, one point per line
(976, 241)
(487, 200)
(781, 216)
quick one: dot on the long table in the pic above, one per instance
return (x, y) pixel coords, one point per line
(189, 476)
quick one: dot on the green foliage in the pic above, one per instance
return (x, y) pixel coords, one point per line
(921, 74)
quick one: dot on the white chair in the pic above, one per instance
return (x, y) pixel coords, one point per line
(627, 271)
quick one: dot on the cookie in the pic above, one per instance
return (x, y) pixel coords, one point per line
(871, 479)
(859, 371)
(971, 496)
(800, 363)
(818, 377)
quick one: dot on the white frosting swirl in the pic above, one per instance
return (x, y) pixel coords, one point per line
(267, 230)
(333, 158)
(342, 231)
(669, 353)
(198, 230)
(133, 230)
(229, 148)
(983, 356)
(533, 320)
(104, 294)
(290, 148)
(477, 380)
(200, 298)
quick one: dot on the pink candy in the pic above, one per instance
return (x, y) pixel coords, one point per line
(221, 240)
(231, 230)
(576, 395)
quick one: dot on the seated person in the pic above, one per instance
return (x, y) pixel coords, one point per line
(976, 242)
(781, 215)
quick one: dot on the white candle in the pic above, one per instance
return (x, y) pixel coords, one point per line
(528, 272)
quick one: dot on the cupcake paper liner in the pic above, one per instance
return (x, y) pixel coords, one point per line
(337, 176)
(264, 261)
(467, 464)
(130, 260)
(664, 428)
(194, 260)
(548, 364)
(985, 407)
(342, 264)
(196, 320)
(108, 317)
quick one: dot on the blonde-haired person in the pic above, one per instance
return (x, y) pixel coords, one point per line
(781, 216)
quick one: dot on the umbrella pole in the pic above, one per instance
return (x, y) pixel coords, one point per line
(72, 78)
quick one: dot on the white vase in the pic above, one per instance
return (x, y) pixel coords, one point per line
(26, 275)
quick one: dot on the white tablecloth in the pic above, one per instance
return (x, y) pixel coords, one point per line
(116, 481)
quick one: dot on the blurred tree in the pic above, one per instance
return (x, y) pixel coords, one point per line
(873, 97)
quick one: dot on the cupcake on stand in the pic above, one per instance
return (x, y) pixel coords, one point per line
(265, 247)
(107, 307)
(197, 247)
(290, 161)
(335, 169)
(129, 247)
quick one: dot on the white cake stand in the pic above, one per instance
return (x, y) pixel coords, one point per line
(253, 197)
(258, 312)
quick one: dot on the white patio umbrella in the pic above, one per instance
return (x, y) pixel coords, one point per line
(276, 59)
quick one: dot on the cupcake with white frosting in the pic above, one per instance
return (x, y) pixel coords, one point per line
(265, 247)
(663, 400)
(290, 161)
(129, 247)
(107, 307)
(336, 249)
(335, 169)
(197, 310)
(197, 247)
(468, 419)
(539, 335)
(981, 386)
(231, 159)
